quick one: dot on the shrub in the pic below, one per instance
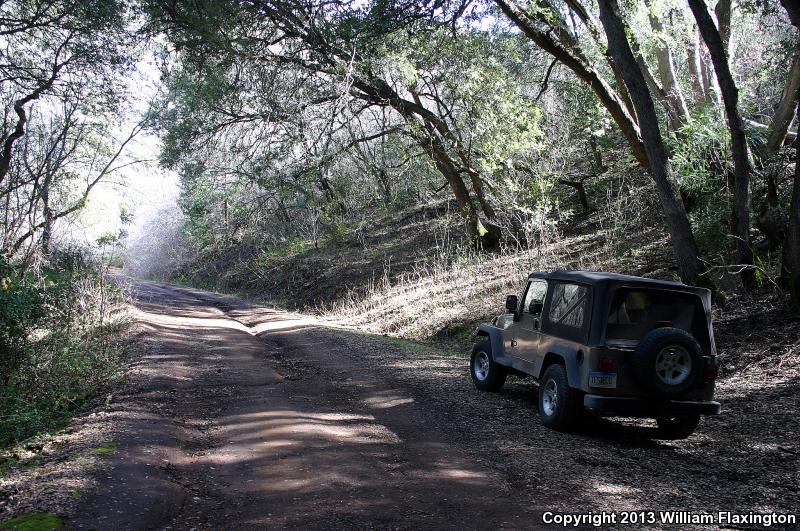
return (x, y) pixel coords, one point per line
(59, 335)
(21, 309)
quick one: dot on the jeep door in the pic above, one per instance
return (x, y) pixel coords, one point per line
(526, 332)
(568, 317)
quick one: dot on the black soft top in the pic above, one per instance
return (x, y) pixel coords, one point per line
(606, 284)
(597, 278)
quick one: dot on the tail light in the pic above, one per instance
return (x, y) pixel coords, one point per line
(606, 365)
(711, 372)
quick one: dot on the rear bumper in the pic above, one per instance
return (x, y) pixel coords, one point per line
(644, 407)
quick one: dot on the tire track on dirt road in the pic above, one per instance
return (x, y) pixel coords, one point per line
(222, 429)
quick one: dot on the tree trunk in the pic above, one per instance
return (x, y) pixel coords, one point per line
(477, 187)
(723, 13)
(792, 8)
(784, 112)
(790, 271)
(226, 220)
(598, 166)
(47, 231)
(695, 69)
(331, 195)
(386, 186)
(623, 90)
(19, 129)
(710, 86)
(791, 263)
(705, 76)
(577, 8)
(480, 231)
(771, 219)
(676, 108)
(741, 164)
(686, 252)
(582, 195)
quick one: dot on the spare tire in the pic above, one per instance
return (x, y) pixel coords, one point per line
(667, 361)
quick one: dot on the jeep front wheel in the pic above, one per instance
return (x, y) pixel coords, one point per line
(487, 375)
(677, 427)
(559, 404)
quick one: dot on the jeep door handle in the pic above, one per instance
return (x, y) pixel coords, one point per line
(513, 342)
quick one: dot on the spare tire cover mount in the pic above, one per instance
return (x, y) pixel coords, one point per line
(667, 361)
(674, 365)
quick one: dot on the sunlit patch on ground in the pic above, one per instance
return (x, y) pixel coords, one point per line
(384, 402)
(283, 324)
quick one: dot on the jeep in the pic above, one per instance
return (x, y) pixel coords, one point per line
(615, 345)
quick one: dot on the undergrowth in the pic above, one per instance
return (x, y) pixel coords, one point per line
(62, 327)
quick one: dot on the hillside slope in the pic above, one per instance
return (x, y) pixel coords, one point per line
(411, 276)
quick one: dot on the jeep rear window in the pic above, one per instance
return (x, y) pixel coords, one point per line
(635, 312)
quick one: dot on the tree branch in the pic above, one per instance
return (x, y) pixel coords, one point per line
(22, 117)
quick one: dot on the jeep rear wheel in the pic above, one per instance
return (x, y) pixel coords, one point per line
(559, 404)
(677, 427)
(667, 362)
(487, 375)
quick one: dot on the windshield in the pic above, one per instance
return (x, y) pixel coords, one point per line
(635, 312)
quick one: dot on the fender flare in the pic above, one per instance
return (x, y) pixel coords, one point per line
(569, 358)
(495, 336)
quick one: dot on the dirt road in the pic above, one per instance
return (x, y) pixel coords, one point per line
(245, 418)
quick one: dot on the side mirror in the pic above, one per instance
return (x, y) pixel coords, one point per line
(512, 303)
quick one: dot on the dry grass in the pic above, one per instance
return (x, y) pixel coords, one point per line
(447, 290)
(444, 297)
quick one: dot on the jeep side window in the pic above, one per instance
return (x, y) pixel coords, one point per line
(534, 297)
(569, 305)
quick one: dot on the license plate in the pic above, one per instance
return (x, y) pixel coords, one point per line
(603, 379)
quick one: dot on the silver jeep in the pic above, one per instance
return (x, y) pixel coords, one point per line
(613, 344)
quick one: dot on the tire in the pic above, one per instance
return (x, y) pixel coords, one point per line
(677, 427)
(487, 375)
(667, 362)
(560, 406)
